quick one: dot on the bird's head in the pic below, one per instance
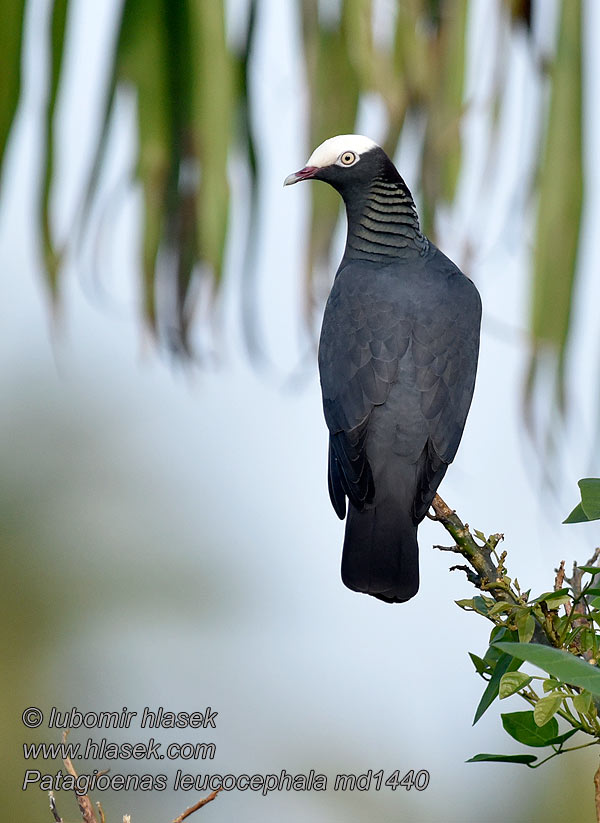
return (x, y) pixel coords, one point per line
(348, 159)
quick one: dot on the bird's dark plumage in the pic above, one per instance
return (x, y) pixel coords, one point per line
(397, 358)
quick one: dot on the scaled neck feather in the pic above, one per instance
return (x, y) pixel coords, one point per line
(382, 221)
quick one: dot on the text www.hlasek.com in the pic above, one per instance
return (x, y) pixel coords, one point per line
(105, 750)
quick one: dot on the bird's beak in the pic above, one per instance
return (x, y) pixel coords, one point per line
(304, 174)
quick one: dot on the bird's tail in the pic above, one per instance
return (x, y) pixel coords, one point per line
(381, 555)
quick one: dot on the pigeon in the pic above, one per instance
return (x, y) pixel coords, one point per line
(397, 360)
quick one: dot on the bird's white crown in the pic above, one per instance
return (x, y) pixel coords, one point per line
(329, 151)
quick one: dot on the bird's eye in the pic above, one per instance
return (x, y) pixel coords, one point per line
(348, 158)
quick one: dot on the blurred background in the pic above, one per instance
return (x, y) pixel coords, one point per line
(165, 526)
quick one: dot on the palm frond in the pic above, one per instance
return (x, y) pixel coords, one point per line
(194, 105)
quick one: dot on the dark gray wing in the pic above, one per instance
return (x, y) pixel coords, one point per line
(407, 338)
(362, 339)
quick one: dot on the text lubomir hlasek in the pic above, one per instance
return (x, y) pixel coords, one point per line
(150, 719)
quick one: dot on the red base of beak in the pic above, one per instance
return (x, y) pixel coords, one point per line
(304, 174)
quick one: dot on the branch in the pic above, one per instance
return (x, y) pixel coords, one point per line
(88, 814)
(197, 806)
(560, 576)
(53, 809)
(86, 808)
(575, 580)
(480, 557)
(489, 577)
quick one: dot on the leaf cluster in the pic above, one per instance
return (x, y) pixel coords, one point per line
(557, 631)
(569, 689)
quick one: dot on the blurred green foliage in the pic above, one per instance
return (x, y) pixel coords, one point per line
(194, 101)
(11, 36)
(560, 182)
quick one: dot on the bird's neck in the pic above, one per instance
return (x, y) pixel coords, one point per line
(382, 222)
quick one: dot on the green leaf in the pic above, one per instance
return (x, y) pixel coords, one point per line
(513, 682)
(561, 738)
(503, 758)
(479, 664)
(582, 702)
(522, 726)
(506, 663)
(498, 633)
(587, 640)
(590, 497)
(498, 608)
(561, 664)
(492, 656)
(480, 605)
(595, 603)
(546, 708)
(480, 535)
(589, 508)
(525, 626)
(551, 684)
(577, 515)
(589, 569)
(557, 595)
(502, 633)
(465, 604)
